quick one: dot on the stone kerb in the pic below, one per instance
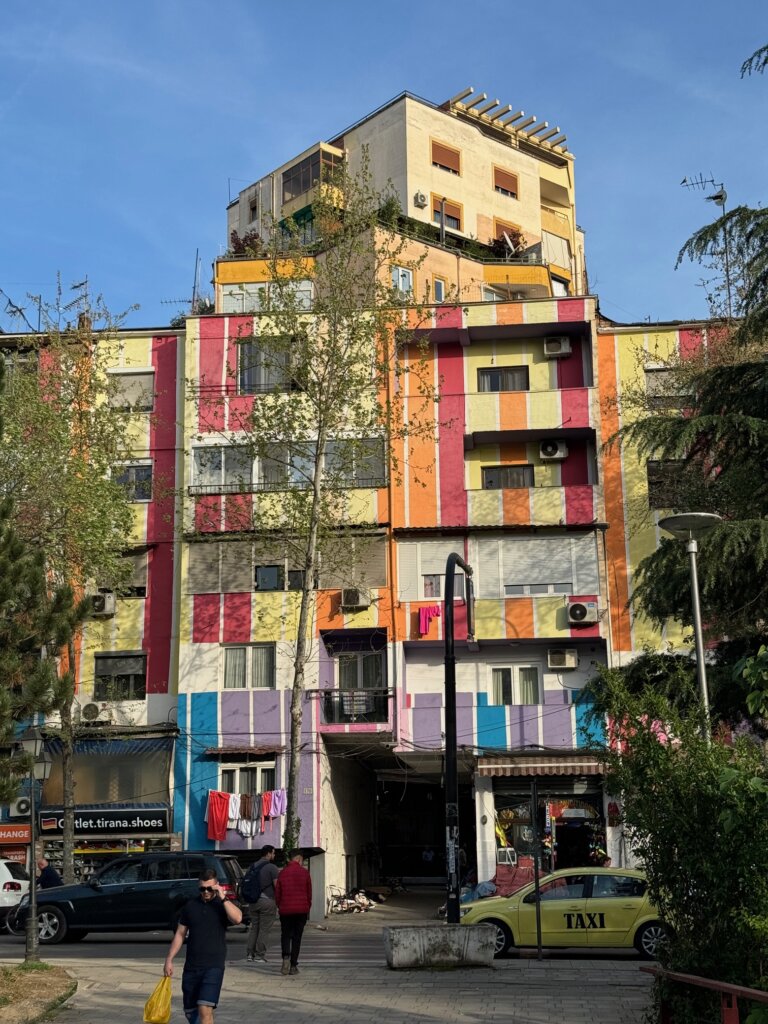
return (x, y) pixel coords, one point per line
(439, 945)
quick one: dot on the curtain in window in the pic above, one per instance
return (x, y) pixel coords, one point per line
(263, 667)
(207, 466)
(234, 668)
(528, 685)
(348, 672)
(502, 686)
(372, 671)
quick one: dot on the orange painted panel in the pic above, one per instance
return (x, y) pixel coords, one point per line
(518, 618)
(509, 312)
(513, 410)
(516, 505)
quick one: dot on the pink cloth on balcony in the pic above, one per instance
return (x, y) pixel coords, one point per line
(426, 614)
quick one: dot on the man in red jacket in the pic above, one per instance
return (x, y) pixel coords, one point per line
(293, 896)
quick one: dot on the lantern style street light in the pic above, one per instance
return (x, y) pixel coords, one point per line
(31, 742)
(690, 527)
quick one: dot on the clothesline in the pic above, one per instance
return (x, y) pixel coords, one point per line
(246, 813)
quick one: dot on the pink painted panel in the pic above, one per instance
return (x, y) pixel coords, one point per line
(690, 342)
(570, 309)
(206, 618)
(579, 504)
(570, 371)
(211, 374)
(585, 631)
(237, 618)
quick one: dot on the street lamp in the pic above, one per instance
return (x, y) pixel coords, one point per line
(690, 526)
(31, 742)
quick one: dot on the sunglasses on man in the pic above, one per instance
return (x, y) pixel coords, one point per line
(208, 888)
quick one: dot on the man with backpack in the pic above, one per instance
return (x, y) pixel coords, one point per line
(258, 891)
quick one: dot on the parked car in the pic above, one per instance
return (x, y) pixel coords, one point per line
(590, 907)
(136, 893)
(14, 883)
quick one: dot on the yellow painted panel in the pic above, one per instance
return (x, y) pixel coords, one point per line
(137, 434)
(546, 612)
(185, 614)
(548, 504)
(236, 271)
(363, 619)
(489, 620)
(544, 409)
(269, 616)
(138, 530)
(361, 506)
(481, 315)
(484, 507)
(542, 312)
(130, 623)
(512, 274)
(482, 412)
(486, 455)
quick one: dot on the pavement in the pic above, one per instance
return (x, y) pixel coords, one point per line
(343, 979)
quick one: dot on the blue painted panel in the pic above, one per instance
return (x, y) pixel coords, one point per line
(492, 726)
(203, 771)
(587, 733)
(180, 792)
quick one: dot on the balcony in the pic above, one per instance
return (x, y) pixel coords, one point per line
(354, 707)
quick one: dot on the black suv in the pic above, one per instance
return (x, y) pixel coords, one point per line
(136, 893)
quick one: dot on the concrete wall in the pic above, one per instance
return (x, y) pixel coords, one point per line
(347, 817)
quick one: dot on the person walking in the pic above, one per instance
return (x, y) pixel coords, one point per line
(203, 922)
(258, 889)
(49, 876)
(293, 896)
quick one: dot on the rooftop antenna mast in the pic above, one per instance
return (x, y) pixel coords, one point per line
(719, 198)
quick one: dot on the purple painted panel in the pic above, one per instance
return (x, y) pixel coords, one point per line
(266, 717)
(524, 725)
(428, 727)
(428, 700)
(307, 797)
(234, 718)
(325, 668)
(556, 720)
(465, 719)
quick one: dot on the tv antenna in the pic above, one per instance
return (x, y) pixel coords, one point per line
(719, 198)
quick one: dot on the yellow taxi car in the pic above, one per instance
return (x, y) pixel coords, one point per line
(587, 907)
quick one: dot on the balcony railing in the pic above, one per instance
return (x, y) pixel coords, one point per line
(338, 707)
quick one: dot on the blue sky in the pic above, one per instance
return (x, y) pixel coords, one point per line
(124, 126)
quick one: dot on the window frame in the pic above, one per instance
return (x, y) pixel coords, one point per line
(448, 150)
(224, 486)
(502, 189)
(526, 466)
(107, 656)
(459, 588)
(522, 368)
(235, 769)
(437, 280)
(359, 658)
(249, 648)
(269, 378)
(117, 372)
(130, 485)
(453, 211)
(514, 667)
(396, 268)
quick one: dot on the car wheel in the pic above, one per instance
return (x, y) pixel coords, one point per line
(52, 926)
(504, 940)
(13, 925)
(649, 938)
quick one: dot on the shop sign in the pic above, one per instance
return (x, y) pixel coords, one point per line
(15, 853)
(137, 821)
(14, 834)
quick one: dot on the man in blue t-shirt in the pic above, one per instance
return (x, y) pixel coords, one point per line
(203, 922)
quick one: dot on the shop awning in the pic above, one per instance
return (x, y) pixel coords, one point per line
(508, 765)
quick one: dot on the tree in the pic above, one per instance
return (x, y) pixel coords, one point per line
(34, 625)
(331, 383)
(65, 431)
(695, 816)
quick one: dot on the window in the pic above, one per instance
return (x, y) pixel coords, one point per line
(505, 182)
(355, 462)
(300, 178)
(533, 589)
(559, 286)
(402, 280)
(136, 584)
(663, 386)
(493, 295)
(264, 295)
(516, 684)
(617, 887)
(253, 210)
(221, 470)
(262, 365)
(18, 361)
(503, 378)
(269, 577)
(132, 390)
(246, 778)
(446, 158)
(251, 666)
(664, 481)
(120, 675)
(571, 887)
(500, 478)
(438, 288)
(518, 566)
(123, 872)
(364, 670)
(453, 212)
(433, 585)
(136, 479)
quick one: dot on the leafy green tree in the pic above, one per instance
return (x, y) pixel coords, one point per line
(64, 433)
(333, 359)
(695, 816)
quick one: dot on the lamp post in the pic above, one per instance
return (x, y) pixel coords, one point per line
(689, 527)
(452, 911)
(31, 742)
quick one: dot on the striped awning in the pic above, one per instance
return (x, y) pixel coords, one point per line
(568, 763)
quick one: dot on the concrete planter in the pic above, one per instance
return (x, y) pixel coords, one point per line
(439, 945)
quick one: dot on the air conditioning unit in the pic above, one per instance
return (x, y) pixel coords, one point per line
(20, 808)
(103, 604)
(562, 658)
(94, 714)
(583, 613)
(557, 347)
(553, 450)
(354, 598)
(419, 200)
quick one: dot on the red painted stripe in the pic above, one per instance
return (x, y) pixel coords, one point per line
(574, 407)
(210, 366)
(690, 343)
(449, 316)
(585, 631)
(206, 618)
(451, 413)
(208, 513)
(570, 309)
(579, 504)
(158, 606)
(237, 618)
(570, 371)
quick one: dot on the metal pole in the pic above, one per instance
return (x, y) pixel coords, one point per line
(535, 828)
(701, 668)
(31, 953)
(442, 221)
(452, 915)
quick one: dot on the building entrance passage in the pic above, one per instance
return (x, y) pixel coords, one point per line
(411, 829)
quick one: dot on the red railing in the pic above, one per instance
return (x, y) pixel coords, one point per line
(729, 994)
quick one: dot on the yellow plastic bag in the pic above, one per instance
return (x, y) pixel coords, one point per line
(157, 1009)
